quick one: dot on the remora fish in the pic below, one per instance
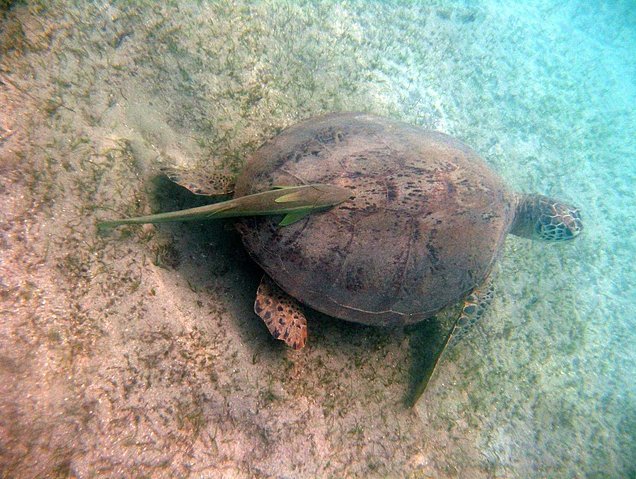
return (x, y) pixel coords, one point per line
(295, 202)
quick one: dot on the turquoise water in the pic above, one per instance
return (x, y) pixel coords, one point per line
(550, 103)
(140, 354)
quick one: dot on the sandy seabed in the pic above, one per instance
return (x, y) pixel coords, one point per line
(137, 354)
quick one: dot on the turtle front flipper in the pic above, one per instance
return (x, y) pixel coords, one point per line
(474, 306)
(281, 313)
(202, 182)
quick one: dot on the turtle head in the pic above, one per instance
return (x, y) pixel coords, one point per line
(540, 217)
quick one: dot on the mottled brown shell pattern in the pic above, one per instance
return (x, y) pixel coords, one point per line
(425, 223)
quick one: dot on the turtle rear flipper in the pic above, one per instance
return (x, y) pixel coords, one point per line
(281, 313)
(201, 182)
(474, 306)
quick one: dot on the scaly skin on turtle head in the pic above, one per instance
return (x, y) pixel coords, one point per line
(541, 217)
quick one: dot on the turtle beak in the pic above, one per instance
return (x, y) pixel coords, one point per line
(572, 223)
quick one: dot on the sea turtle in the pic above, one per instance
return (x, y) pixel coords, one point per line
(424, 224)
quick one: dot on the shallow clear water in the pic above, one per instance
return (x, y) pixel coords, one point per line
(139, 353)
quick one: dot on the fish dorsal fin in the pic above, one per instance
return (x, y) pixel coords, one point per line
(289, 197)
(293, 217)
(202, 182)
